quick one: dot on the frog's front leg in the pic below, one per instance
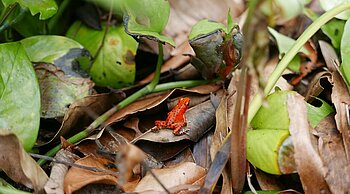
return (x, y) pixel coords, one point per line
(158, 125)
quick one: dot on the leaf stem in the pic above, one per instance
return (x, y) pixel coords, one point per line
(282, 65)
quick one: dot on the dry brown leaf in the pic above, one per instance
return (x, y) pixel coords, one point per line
(18, 165)
(201, 150)
(130, 156)
(184, 156)
(186, 173)
(341, 100)
(221, 127)
(307, 159)
(82, 112)
(266, 181)
(77, 178)
(332, 152)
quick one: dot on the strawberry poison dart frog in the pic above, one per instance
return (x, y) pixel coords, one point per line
(176, 119)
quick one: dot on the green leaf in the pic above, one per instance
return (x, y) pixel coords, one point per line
(284, 43)
(19, 94)
(46, 8)
(114, 65)
(274, 115)
(317, 114)
(147, 18)
(345, 50)
(327, 5)
(30, 25)
(230, 23)
(205, 27)
(262, 148)
(7, 188)
(48, 48)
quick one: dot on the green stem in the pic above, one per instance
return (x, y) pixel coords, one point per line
(7, 13)
(282, 65)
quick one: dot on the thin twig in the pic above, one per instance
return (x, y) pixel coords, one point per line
(48, 158)
(106, 32)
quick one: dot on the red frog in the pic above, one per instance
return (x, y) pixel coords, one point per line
(176, 119)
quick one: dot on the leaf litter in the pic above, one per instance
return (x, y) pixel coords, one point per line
(147, 162)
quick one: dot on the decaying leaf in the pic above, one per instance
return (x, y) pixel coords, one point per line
(18, 165)
(186, 173)
(82, 112)
(77, 178)
(53, 80)
(333, 155)
(309, 164)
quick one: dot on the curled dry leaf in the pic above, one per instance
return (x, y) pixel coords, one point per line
(341, 100)
(77, 178)
(186, 173)
(82, 112)
(332, 152)
(18, 165)
(309, 164)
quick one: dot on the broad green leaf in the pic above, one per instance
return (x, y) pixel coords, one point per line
(46, 8)
(147, 18)
(205, 27)
(59, 50)
(284, 43)
(345, 53)
(30, 25)
(48, 48)
(114, 66)
(316, 114)
(19, 94)
(273, 115)
(327, 5)
(263, 146)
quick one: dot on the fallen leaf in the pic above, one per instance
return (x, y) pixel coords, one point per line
(82, 112)
(53, 80)
(77, 178)
(341, 100)
(309, 164)
(18, 165)
(333, 155)
(186, 173)
(201, 150)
